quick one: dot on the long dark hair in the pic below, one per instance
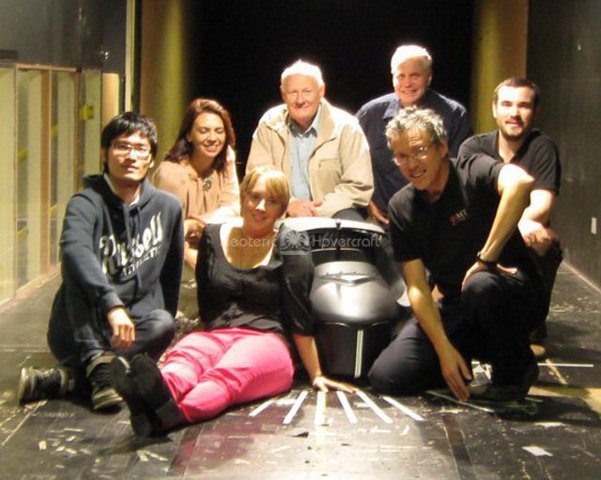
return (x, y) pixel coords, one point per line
(183, 148)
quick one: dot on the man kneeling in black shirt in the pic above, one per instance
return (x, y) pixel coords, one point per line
(457, 220)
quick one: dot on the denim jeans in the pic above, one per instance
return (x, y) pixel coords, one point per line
(77, 333)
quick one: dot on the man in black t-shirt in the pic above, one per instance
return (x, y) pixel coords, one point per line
(457, 220)
(515, 106)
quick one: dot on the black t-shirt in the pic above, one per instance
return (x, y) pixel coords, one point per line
(448, 233)
(272, 297)
(538, 156)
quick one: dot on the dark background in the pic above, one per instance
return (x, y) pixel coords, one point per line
(241, 46)
(244, 46)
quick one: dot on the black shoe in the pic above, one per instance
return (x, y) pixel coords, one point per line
(539, 334)
(496, 392)
(104, 396)
(41, 383)
(530, 375)
(153, 389)
(143, 420)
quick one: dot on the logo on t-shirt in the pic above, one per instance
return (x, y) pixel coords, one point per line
(460, 216)
(121, 259)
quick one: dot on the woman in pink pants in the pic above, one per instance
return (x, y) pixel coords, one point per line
(254, 284)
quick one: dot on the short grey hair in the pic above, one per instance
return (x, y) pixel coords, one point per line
(301, 67)
(408, 52)
(421, 119)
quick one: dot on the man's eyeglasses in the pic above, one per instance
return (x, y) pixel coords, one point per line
(141, 152)
(420, 154)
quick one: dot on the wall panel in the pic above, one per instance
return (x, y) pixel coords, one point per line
(564, 58)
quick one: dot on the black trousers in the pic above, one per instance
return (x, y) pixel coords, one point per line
(547, 266)
(77, 333)
(490, 321)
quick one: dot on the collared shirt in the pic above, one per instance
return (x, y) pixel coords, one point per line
(301, 147)
(375, 115)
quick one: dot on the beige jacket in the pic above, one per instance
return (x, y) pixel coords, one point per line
(213, 199)
(340, 171)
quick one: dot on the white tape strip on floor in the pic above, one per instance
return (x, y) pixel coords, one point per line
(377, 410)
(297, 404)
(352, 418)
(406, 410)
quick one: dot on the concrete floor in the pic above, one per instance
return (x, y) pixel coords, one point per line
(303, 435)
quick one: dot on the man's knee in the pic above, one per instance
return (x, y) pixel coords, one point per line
(482, 287)
(357, 214)
(160, 325)
(400, 378)
(482, 282)
(380, 380)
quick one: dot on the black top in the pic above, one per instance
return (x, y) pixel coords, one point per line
(538, 156)
(375, 115)
(448, 233)
(272, 297)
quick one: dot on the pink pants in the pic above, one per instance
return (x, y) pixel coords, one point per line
(207, 372)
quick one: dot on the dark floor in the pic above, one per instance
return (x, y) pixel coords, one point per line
(304, 435)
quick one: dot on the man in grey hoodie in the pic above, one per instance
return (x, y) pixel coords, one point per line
(122, 254)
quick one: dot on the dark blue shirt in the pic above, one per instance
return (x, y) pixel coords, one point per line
(375, 115)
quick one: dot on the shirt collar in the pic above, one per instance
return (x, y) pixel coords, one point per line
(523, 148)
(295, 129)
(110, 184)
(394, 107)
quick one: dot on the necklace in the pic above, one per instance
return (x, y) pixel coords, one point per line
(200, 169)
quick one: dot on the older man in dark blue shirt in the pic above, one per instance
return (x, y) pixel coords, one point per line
(411, 68)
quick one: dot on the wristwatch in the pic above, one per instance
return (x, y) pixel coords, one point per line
(486, 263)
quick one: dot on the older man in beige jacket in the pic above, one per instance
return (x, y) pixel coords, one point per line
(321, 148)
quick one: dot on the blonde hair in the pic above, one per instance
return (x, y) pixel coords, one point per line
(276, 184)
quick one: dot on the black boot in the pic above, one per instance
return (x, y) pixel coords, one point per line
(41, 383)
(144, 421)
(154, 391)
(98, 371)
(513, 386)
